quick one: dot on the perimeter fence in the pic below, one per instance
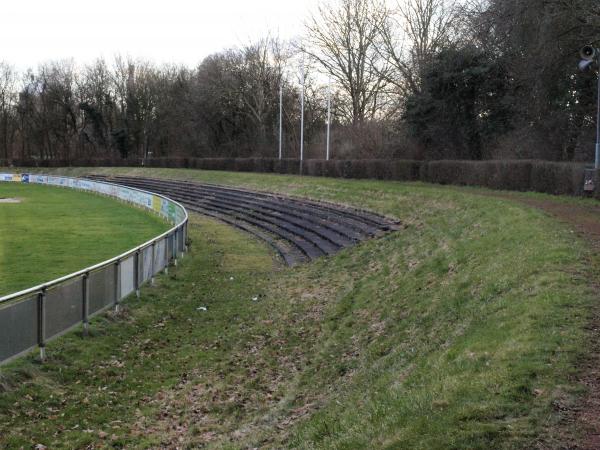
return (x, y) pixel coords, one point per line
(32, 317)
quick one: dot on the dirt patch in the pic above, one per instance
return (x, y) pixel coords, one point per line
(584, 219)
(10, 200)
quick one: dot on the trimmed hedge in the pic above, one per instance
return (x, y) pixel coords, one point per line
(557, 178)
(510, 175)
(516, 175)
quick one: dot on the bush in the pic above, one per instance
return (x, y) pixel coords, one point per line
(287, 166)
(405, 170)
(443, 172)
(342, 169)
(314, 167)
(378, 169)
(264, 165)
(329, 169)
(214, 163)
(244, 165)
(516, 175)
(511, 175)
(557, 178)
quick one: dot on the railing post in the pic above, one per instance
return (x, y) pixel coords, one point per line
(136, 275)
(152, 263)
(117, 284)
(86, 303)
(166, 254)
(42, 324)
(186, 236)
(181, 241)
(174, 246)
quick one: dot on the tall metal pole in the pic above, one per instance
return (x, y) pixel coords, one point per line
(328, 117)
(597, 165)
(302, 114)
(280, 119)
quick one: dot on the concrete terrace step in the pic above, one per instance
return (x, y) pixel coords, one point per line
(299, 230)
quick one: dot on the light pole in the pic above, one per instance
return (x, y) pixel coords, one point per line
(591, 56)
(328, 117)
(281, 119)
(597, 164)
(302, 113)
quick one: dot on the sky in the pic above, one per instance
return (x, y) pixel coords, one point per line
(165, 31)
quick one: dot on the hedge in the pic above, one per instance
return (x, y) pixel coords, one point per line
(516, 175)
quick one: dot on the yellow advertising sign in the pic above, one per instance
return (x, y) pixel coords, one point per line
(156, 203)
(16, 178)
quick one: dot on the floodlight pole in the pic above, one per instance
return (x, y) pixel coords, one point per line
(328, 117)
(591, 55)
(597, 164)
(280, 119)
(302, 114)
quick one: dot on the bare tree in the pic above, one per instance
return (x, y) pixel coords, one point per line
(259, 77)
(7, 99)
(134, 83)
(343, 38)
(59, 105)
(412, 33)
(97, 106)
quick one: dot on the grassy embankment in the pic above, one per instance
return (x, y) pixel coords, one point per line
(463, 330)
(55, 231)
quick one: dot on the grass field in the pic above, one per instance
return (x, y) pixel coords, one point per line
(464, 330)
(54, 231)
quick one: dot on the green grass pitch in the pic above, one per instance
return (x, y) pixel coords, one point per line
(54, 231)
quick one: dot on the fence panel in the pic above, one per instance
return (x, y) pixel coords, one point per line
(102, 289)
(18, 327)
(174, 245)
(146, 256)
(180, 240)
(127, 276)
(63, 307)
(159, 256)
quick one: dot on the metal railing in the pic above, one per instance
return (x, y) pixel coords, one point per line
(32, 317)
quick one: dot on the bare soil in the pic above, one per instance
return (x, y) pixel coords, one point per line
(10, 200)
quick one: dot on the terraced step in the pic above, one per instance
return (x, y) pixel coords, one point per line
(342, 217)
(298, 229)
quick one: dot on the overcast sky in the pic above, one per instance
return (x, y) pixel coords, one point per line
(175, 31)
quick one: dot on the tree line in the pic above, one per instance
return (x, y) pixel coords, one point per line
(421, 79)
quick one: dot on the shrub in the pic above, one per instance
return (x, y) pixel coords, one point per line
(287, 166)
(263, 165)
(557, 178)
(518, 175)
(512, 175)
(405, 170)
(329, 168)
(243, 165)
(314, 167)
(377, 169)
